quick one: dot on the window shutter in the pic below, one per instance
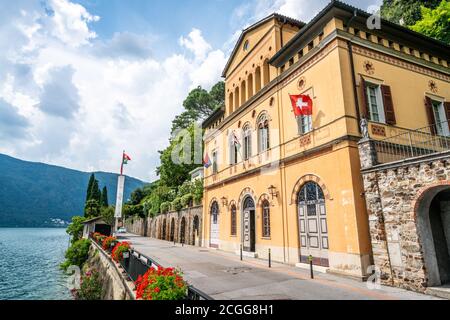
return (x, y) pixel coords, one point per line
(447, 111)
(388, 104)
(364, 110)
(430, 114)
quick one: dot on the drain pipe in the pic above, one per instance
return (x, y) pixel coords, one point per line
(352, 66)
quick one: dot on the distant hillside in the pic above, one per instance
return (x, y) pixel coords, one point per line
(31, 194)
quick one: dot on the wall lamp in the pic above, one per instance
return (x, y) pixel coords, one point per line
(224, 201)
(273, 191)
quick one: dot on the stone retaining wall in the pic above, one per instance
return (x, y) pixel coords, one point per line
(393, 193)
(169, 226)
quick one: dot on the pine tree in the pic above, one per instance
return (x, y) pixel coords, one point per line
(104, 201)
(89, 187)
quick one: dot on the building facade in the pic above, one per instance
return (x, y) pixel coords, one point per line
(294, 184)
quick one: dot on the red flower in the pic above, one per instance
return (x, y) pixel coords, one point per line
(157, 290)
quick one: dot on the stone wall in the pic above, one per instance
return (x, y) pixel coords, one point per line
(169, 226)
(115, 287)
(393, 194)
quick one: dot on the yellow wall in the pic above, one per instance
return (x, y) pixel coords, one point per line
(327, 155)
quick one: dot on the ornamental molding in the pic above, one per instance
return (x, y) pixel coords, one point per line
(399, 63)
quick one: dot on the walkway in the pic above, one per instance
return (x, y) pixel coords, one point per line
(223, 276)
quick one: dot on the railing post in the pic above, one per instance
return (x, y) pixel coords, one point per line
(241, 251)
(410, 144)
(270, 259)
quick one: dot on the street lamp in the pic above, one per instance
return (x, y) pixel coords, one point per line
(273, 191)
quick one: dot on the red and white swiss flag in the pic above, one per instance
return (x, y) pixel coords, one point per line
(301, 104)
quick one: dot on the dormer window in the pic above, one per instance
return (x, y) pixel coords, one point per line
(246, 45)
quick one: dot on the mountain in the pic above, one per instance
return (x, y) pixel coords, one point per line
(38, 195)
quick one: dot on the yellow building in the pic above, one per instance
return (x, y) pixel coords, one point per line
(293, 184)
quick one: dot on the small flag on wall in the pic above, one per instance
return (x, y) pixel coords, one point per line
(301, 104)
(207, 162)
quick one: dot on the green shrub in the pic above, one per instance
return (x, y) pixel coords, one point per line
(77, 254)
(90, 287)
(165, 207)
(176, 204)
(186, 200)
(75, 229)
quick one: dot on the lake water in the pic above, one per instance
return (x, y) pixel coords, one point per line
(29, 264)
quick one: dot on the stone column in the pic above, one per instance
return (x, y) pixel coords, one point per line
(367, 153)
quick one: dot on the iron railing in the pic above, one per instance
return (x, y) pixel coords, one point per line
(413, 143)
(136, 264)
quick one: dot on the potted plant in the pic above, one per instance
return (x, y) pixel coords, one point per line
(106, 244)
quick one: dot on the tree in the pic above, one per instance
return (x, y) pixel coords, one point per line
(89, 187)
(95, 192)
(75, 229)
(92, 209)
(137, 196)
(200, 104)
(435, 23)
(107, 214)
(405, 12)
(77, 254)
(104, 197)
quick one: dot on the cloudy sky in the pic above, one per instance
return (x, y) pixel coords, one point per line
(81, 80)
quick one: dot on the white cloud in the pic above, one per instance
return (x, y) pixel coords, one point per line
(196, 43)
(81, 104)
(69, 22)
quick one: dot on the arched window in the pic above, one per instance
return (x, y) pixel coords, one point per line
(263, 133)
(237, 103)
(266, 74)
(233, 220)
(266, 219)
(243, 92)
(234, 147)
(249, 86)
(231, 103)
(247, 141)
(257, 79)
(214, 212)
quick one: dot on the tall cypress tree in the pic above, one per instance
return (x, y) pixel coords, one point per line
(104, 201)
(95, 192)
(89, 187)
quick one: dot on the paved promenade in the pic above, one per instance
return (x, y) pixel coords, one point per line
(223, 276)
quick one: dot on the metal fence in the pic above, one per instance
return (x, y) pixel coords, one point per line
(414, 143)
(136, 264)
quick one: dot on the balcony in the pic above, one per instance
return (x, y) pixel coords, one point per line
(413, 143)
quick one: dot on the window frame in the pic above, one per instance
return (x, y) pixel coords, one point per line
(247, 143)
(380, 109)
(263, 135)
(215, 168)
(233, 222)
(265, 215)
(440, 117)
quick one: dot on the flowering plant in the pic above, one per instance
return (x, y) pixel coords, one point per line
(119, 249)
(106, 244)
(161, 284)
(90, 286)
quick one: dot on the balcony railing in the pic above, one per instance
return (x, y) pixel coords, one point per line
(413, 143)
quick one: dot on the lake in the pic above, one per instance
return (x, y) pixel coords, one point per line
(29, 264)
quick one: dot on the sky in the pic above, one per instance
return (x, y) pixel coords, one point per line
(83, 80)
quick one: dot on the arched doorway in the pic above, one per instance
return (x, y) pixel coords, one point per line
(183, 230)
(312, 222)
(195, 230)
(248, 225)
(214, 230)
(433, 223)
(172, 230)
(164, 230)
